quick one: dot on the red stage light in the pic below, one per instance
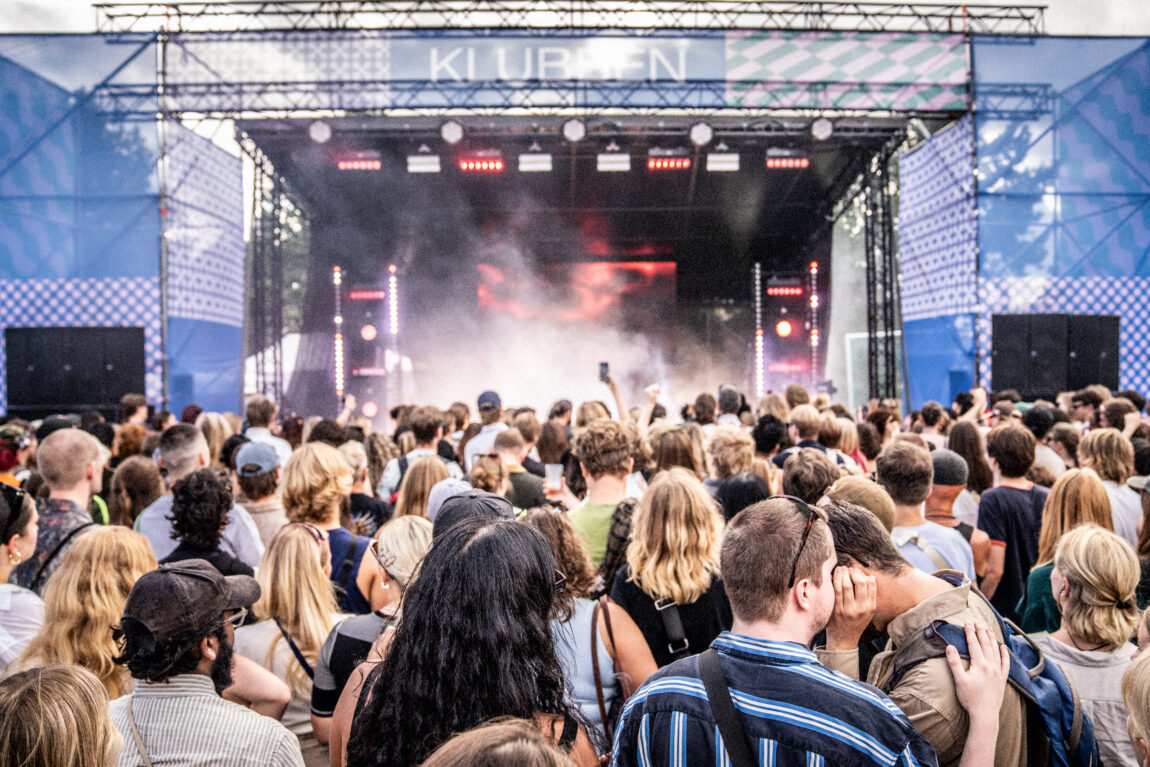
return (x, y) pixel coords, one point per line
(368, 372)
(368, 332)
(784, 291)
(367, 295)
(786, 367)
(783, 328)
(668, 163)
(789, 163)
(482, 165)
(359, 165)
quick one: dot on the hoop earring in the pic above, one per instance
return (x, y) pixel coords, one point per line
(15, 560)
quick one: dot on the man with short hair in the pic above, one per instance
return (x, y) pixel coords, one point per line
(604, 454)
(258, 474)
(729, 403)
(426, 424)
(778, 562)
(490, 415)
(705, 412)
(906, 472)
(950, 475)
(804, 432)
(808, 475)
(526, 489)
(877, 590)
(1011, 514)
(769, 434)
(933, 419)
(732, 451)
(183, 449)
(261, 416)
(530, 428)
(71, 462)
(178, 632)
(134, 410)
(1040, 420)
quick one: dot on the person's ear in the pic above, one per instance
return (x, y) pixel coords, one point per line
(210, 647)
(204, 458)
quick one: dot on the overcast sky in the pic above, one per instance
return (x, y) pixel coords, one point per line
(1064, 17)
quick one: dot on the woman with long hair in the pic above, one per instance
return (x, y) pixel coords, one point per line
(965, 440)
(622, 660)
(297, 610)
(474, 643)
(84, 598)
(1094, 578)
(1077, 498)
(673, 447)
(216, 430)
(674, 557)
(1136, 696)
(421, 476)
(21, 609)
(136, 483)
(488, 472)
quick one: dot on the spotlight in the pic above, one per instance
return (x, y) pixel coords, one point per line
(613, 160)
(783, 328)
(451, 132)
(482, 162)
(701, 134)
(822, 129)
(319, 131)
(361, 160)
(668, 159)
(370, 409)
(423, 161)
(368, 332)
(535, 160)
(574, 130)
(723, 162)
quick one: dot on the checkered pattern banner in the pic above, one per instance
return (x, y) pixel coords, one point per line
(1127, 297)
(86, 303)
(938, 225)
(847, 70)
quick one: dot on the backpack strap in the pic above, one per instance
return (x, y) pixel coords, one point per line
(677, 643)
(307, 669)
(922, 646)
(36, 582)
(346, 564)
(595, 661)
(723, 709)
(904, 535)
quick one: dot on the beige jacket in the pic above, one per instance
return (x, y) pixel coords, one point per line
(926, 692)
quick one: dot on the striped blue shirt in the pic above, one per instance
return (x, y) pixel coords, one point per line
(794, 711)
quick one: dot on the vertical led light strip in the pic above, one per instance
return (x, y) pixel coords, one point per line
(393, 294)
(760, 385)
(814, 320)
(337, 281)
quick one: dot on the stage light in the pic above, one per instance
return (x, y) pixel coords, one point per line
(822, 129)
(368, 372)
(337, 281)
(574, 130)
(339, 364)
(722, 162)
(784, 328)
(367, 295)
(482, 162)
(788, 163)
(393, 305)
(368, 332)
(535, 161)
(814, 338)
(701, 134)
(668, 163)
(451, 132)
(814, 267)
(786, 367)
(319, 131)
(613, 160)
(370, 409)
(365, 159)
(757, 292)
(784, 291)
(423, 161)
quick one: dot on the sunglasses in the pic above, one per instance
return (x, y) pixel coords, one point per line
(560, 582)
(237, 618)
(385, 558)
(811, 514)
(14, 497)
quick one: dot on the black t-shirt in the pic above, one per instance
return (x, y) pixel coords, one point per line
(373, 509)
(221, 560)
(1013, 518)
(703, 620)
(346, 647)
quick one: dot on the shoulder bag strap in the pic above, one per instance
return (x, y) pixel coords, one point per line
(595, 663)
(909, 536)
(55, 552)
(296, 651)
(136, 737)
(677, 643)
(347, 563)
(723, 709)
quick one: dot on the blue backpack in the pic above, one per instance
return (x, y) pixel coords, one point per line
(1058, 730)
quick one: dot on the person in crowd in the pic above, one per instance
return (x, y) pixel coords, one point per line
(950, 475)
(740, 491)
(769, 434)
(431, 684)
(525, 490)
(427, 427)
(329, 431)
(803, 431)
(133, 409)
(491, 417)
(399, 547)
(467, 504)
(380, 450)
(216, 431)
(415, 489)
(458, 419)
(831, 431)
(886, 423)
(808, 473)
(258, 475)
(1040, 421)
(1084, 407)
(56, 717)
(1064, 440)
(603, 452)
(129, 442)
(1112, 457)
(729, 401)
(1011, 514)
(777, 559)
(774, 404)
(367, 512)
(136, 484)
(906, 472)
(201, 502)
(72, 465)
(705, 406)
(297, 611)
(1094, 577)
(870, 445)
(1136, 696)
(966, 440)
(501, 742)
(1077, 498)
(797, 394)
(731, 450)
(260, 413)
(183, 450)
(529, 428)
(671, 586)
(933, 422)
(441, 491)
(162, 419)
(177, 634)
(17, 451)
(21, 610)
(878, 590)
(84, 598)
(864, 492)
(671, 446)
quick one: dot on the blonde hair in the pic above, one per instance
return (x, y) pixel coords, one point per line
(590, 411)
(380, 449)
(1102, 572)
(849, 442)
(216, 430)
(315, 480)
(1078, 497)
(403, 543)
(356, 456)
(1136, 694)
(295, 590)
(1108, 453)
(489, 473)
(85, 598)
(675, 538)
(416, 486)
(55, 716)
(775, 404)
(732, 450)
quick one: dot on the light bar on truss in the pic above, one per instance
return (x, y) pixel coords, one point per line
(779, 158)
(783, 290)
(535, 162)
(393, 304)
(723, 162)
(667, 159)
(423, 163)
(362, 160)
(613, 160)
(337, 282)
(482, 162)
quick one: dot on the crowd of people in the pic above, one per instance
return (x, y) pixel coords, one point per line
(781, 582)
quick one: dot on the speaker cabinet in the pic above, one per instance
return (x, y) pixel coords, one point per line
(1043, 354)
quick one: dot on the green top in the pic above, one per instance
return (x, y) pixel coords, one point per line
(1038, 611)
(593, 523)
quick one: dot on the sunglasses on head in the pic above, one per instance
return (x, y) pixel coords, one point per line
(811, 514)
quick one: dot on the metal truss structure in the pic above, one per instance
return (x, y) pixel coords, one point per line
(882, 292)
(546, 16)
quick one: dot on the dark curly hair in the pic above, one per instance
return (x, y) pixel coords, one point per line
(470, 647)
(200, 505)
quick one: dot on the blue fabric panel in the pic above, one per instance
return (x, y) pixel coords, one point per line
(205, 365)
(940, 357)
